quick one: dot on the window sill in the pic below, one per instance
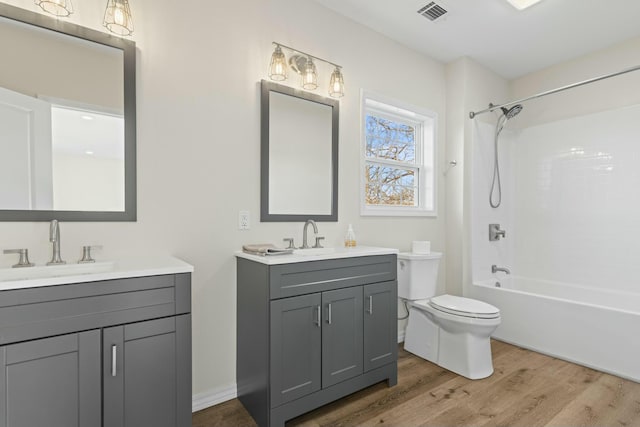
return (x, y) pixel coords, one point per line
(369, 211)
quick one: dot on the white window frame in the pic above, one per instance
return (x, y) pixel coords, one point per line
(425, 152)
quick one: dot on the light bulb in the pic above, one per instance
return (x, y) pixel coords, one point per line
(310, 75)
(118, 16)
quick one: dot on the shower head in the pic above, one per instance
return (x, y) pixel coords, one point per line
(513, 111)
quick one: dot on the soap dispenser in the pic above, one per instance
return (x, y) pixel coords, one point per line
(350, 238)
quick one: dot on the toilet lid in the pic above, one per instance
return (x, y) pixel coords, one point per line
(464, 307)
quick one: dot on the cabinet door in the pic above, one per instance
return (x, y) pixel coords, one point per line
(341, 335)
(380, 325)
(295, 347)
(53, 382)
(147, 373)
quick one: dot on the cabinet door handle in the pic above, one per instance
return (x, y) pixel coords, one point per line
(329, 316)
(114, 360)
(318, 321)
(370, 311)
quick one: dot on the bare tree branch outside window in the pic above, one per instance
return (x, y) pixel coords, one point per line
(389, 184)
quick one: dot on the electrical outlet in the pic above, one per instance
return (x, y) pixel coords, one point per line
(244, 222)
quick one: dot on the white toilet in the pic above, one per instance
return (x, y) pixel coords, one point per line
(451, 331)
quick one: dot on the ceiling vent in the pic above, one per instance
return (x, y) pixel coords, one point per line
(432, 11)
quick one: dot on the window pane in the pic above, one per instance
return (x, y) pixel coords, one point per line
(387, 139)
(387, 186)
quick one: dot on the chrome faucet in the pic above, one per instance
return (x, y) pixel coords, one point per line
(495, 269)
(54, 237)
(305, 245)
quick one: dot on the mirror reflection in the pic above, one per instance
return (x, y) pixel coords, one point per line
(62, 126)
(299, 155)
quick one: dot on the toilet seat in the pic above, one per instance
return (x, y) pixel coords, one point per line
(459, 306)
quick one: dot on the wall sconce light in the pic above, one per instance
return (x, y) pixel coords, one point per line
(61, 8)
(336, 84)
(278, 67)
(302, 63)
(117, 17)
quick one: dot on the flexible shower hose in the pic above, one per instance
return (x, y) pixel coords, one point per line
(496, 165)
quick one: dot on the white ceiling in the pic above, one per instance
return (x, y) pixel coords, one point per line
(492, 32)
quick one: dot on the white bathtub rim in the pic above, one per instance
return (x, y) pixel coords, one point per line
(487, 284)
(568, 359)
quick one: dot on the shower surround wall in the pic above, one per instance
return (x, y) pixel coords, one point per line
(501, 252)
(568, 201)
(576, 203)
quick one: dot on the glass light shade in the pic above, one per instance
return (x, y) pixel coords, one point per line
(117, 17)
(336, 84)
(278, 67)
(310, 76)
(56, 7)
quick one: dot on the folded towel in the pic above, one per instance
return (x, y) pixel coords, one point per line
(264, 249)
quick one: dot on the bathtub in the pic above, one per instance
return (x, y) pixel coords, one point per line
(589, 326)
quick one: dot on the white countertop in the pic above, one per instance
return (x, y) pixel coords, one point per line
(304, 255)
(31, 277)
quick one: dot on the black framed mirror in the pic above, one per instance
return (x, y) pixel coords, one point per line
(299, 155)
(67, 121)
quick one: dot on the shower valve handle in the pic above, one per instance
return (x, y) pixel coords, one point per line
(495, 233)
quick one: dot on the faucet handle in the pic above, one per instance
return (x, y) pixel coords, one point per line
(318, 239)
(290, 241)
(24, 257)
(86, 254)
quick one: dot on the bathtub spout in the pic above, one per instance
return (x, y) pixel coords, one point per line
(495, 269)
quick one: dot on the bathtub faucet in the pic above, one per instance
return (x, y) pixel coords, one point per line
(495, 269)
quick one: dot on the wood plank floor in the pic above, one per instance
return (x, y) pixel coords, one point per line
(526, 389)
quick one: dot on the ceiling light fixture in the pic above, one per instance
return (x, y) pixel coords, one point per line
(117, 17)
(61, 8)
(303, 63)
(523, 4)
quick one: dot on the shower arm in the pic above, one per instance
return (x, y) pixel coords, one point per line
(492, 107)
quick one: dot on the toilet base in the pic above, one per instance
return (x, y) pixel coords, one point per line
(450, 344)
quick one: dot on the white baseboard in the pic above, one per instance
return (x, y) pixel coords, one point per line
(400, 336)
(212, 397)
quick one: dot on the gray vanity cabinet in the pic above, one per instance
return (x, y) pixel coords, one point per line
(341, 335)
(380, 333)
(113, 353)
(296, 352)
(142, 369)
(53, 382)
(306, 334)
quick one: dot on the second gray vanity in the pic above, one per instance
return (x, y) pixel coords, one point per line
(105, 349)
(313, 329)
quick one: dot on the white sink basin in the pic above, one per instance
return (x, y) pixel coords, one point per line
(314, 251)
(40, 272)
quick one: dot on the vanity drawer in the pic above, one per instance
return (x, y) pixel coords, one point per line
(288, 280)
(33, 313)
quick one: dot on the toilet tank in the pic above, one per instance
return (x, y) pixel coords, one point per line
(417, 275)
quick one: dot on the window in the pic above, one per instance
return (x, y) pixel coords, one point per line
(398, 152)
